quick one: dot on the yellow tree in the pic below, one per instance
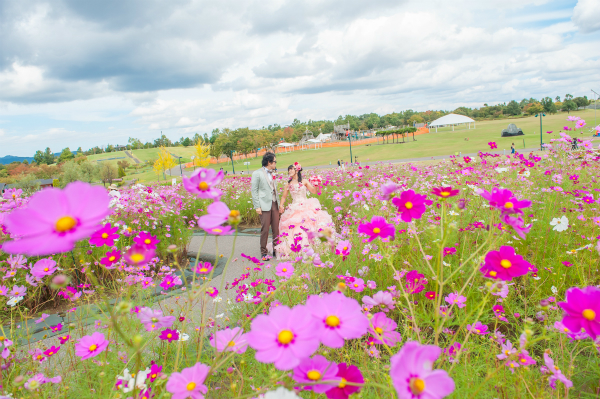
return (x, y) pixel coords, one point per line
(165, 160)
(202, 154)
(157, 167)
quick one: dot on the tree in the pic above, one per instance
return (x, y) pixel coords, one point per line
(135, 143)
(48, 157)
(202, 154)
(70, 172)
(512, 108)
(557, 99)
(39, 157)
(89, 171)
(65, 155)
(548, 105)
(568, 97)
(25, 162)
(533, 108)
(581, 101)
(165, 160)
(107, 173)
(121, 172)
(569, 105)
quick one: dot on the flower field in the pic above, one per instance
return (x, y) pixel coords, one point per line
(470, 278)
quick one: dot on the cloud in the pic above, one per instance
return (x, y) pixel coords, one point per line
(586, 15)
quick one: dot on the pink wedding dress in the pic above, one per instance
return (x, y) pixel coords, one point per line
(304, 214)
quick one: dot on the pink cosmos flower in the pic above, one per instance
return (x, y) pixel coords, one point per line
(111, 258)
(12, 193)
(338, 318)
(203, 183)
(557, 375)
(507, 350)
(51, 351)
(504, 200)
(343, 248)
(411, 205)
(493, 145)
(204, 268)
(383, 330)
(218, 213)
(153, 319)
(189, 383)
(378, 227)
(478, 328)
(284, 269)
(170, 282)
(505, 264)
(64, 339)
(3, 290)
(169, 335)
(452, 351)
(382, 299)
(139, 255)
(91, 345)
(413, 376)
(230, 340)
(525, 359)
(43, 267)
(449, 251)
(310, 371)
(346, 374)
(55, 219)
(415, 282)
(18, 291)
(146, 239)
(387, 190)
(517, 224)
(445, 192)
(220, 230)
(582, 310)
(105, 236)
(358, 285)
(284, 337)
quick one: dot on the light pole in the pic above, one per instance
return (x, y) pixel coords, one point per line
(595, 108)
(350, 141)
(194, 163)
(232, 167)
(541, 114)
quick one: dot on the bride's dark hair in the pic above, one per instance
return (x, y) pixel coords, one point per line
(299, 174)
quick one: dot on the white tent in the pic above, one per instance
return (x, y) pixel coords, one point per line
(322, 137)
(452, 119)
(286, 146)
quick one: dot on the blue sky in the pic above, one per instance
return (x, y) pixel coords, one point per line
(76, 73)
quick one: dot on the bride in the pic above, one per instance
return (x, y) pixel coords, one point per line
(302, 215)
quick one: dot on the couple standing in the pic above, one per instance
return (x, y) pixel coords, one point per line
(304, 214)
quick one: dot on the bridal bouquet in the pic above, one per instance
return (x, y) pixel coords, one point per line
(316, 181)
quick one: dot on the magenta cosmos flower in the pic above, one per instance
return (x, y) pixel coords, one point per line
(55, 219)
(43, 267)
(504, 200)
(455, 299)
(284, 269)
(338, 317)
(203, 182)
(412, 374)
(411, 205)
(218, 213)
(146, 239)
(383, 330)
(153, 319)
(311, 371)
(105, 236)
(91, 345)
(284, 337)
(478, 328)
(169, 335)
(230, 340)
(378, 227)
(343, 248)
(444, 192)
(387, 190)
(582, 310)
(189, 383)
(346, 374)
(111, 258)
(139, 255)
(505, 264)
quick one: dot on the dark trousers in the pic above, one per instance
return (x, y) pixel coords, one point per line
(270, 218)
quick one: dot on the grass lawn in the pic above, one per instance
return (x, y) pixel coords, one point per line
(444, 142)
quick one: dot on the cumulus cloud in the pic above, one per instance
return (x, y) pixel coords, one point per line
(586, 15)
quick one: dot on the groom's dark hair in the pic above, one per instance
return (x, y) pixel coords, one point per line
(268, 158)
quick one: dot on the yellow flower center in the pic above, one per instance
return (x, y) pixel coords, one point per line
(285, 337)
(203, 270)
(417, 385)
(332, 321)
(169, 335)
(505, 263)
(379, 330)
(104, 235)
(589, 314)
(112, 258)
(444, 193)
(408, 205)
(342, 383)
(493, 273)
(203, 186)
(345, 248)
(523, 360)
(50, 353)
(508, 205)
(153, 376)
(231, 343)
(234, 213)
(40, 357)
(217, 230)
(65, 224)
(46, 269)
(190, 386)
(93, 347)
(376, 230)
(147, 241)
(313, 375)
(137, 258)
(284, 270)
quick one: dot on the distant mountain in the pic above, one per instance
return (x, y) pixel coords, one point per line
(11, 158)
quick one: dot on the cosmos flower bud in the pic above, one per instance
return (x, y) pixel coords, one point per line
(137, 340)
(60, 281)
(172, 248)
(123, 307)
(544, 303)
(234, 217)
(19, 380)
(341, 286)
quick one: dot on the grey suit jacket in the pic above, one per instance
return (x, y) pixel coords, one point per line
(262, 196)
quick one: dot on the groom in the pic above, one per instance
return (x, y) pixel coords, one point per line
(265, 200)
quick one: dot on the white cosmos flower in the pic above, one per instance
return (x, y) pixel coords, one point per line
(501, 170)
(14, 300)
(183, 336)
(554, 290)
(218, 299)
(129, 381)
(452, 213)
(220, 316)
(560, 224)
(280, 393)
